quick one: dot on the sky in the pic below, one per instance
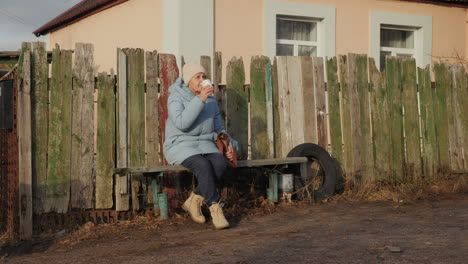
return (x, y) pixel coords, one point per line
(19, 18)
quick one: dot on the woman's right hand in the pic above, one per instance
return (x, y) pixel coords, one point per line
(205, 92)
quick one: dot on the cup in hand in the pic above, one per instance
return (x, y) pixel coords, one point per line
(206, 83)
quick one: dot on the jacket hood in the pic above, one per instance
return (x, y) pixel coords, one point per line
(179, 87)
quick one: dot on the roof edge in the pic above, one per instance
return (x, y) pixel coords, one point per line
(76, 13)
(447, 3)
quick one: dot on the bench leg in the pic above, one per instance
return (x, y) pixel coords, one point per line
(164, 212)
(272, 191)
(159, 199)
(154, 186)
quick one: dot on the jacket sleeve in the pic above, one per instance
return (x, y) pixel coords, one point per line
(184, 117)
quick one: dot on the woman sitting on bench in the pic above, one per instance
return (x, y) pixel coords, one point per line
(191, 129)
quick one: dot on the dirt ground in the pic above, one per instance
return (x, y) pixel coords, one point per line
(334, 232)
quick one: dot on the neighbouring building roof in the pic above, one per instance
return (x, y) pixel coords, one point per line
(77, 12)
(454, 3)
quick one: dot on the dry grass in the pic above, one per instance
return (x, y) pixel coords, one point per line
(448, 186)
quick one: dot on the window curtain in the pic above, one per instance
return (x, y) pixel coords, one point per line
(296, 30)
(396, 38)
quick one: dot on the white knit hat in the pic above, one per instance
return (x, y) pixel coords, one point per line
(189, 70)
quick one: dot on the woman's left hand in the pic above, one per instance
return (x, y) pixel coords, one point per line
(230, 153)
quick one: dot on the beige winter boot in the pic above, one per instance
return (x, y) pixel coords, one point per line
(193, 207)
(219, 221)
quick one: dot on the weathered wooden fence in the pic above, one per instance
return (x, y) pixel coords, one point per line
(381, 126)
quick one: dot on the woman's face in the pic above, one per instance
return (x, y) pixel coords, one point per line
(195, 83)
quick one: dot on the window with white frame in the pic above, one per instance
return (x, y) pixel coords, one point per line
(396, 41)
(400, 35)
(296, 36)
(299, 29)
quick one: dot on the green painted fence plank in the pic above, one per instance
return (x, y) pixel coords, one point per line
(395, 96)
(355, 115)
(269, 108)
(333, 88)
(217, 79)
(276, 109)
(40, 94)
(380, 122)
(358, 96)
(237, 104)
(346, 117)
(411, 119)
(82, 148)
(136, 106)
(205, 61)
(105, 151)
(430, 154)
(461, 78)
(443, 82)
(218, 69)
(456, 131)
(59, 148)
(136, 116)
(364, 135)
(153, 157)
(260, 146)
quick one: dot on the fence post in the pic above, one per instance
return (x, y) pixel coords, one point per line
(333, 88)
(121, 181)
(40, 94)
(260, 144)
(105, 141)
(24, 144)
(82, 141)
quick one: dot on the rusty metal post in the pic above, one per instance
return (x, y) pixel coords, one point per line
(9, 201)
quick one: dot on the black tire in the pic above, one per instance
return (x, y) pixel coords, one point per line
(327, 165)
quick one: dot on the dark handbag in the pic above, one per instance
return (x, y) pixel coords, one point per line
(222, 142)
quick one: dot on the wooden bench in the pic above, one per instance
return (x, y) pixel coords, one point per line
(156, 172)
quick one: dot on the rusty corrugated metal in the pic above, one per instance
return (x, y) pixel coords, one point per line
(3, 179)
(9, 218)
(55, 222)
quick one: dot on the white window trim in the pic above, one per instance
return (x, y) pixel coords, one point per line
(298, 42)
(422, 37)
(326, 27)
(396, 51)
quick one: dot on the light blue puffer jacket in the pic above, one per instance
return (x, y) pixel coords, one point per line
(192, 125)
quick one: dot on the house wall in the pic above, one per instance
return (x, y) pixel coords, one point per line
(239, 27)
(135, 24)
(239, 30)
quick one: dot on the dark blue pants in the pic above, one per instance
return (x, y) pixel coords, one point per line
(208, 169)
